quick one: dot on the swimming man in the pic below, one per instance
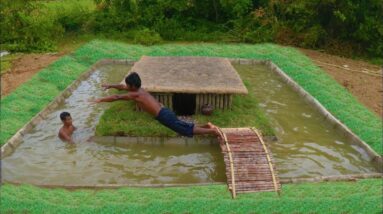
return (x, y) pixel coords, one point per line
(149, 104)
(66, 131)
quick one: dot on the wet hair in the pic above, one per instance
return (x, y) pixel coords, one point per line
(133, 79)
(64, 115)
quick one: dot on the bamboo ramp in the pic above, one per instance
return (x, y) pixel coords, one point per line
(249, 163)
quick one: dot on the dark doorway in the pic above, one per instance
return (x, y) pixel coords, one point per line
(184, 104)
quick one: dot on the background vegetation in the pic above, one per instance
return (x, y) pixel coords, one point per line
(344, 26)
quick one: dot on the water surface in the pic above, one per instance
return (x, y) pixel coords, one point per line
(307, 144)
(43, 158)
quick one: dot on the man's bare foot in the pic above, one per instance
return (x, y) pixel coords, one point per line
(216, 129)
(210, 125)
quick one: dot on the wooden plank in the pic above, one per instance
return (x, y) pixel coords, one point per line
(253, 170)
(232, 176)
(268, 157)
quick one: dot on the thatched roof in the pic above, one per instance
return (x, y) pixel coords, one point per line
(188, 75)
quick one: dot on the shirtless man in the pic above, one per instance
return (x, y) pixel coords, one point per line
(66, 131)
(149, 104)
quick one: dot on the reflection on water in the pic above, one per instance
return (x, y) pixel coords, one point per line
(43, 159)
(307, 145)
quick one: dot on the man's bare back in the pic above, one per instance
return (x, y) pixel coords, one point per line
(147, 102)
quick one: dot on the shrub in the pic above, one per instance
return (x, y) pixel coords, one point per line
(23, 28)
(147, 37)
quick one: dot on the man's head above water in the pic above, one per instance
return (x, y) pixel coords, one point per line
(133, 81)
(66, 118)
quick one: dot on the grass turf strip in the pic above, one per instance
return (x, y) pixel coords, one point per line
(363, 196)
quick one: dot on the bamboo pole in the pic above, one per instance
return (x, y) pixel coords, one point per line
(216, 104)
(268, 159)
(225, 101)
(166, 103)
(221, 104)
(209, 99)
(223, 135)
(197, 103)
(204, 98)
(171, 101)
(161, 99)
(230, 101)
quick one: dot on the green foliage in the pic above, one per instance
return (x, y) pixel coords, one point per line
(147, 37)
(322, 23)
(356, 28)
(334, 97)
(23, 29)
(38, 25)
(363, 196)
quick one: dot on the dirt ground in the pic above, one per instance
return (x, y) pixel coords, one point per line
(362, 79)
(23, 68)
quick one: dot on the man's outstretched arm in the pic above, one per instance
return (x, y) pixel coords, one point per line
(116, 86)
(128, 96)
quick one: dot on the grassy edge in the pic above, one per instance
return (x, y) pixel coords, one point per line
(362, 196)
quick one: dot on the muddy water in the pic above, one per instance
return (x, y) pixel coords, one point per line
(307, 145)
(43, 159)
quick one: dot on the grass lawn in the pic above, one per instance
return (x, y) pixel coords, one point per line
(364, 196)
(121, 118)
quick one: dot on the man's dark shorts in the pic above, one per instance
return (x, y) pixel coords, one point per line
(169, 119)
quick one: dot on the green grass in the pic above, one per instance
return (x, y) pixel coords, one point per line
(33, 95)
(363, 196)
(6, 62)
(121, 118)
(26, 101)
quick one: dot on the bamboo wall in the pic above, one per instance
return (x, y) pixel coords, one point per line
(218, 101)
